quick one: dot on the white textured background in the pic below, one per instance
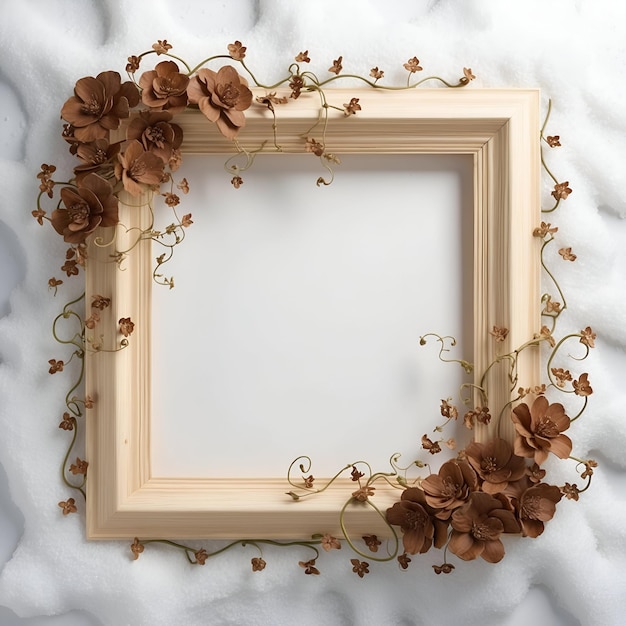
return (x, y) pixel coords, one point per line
(574, 51)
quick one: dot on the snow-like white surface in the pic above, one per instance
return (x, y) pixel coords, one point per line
(574, 51)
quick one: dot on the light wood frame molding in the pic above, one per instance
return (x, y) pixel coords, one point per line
(499, 128)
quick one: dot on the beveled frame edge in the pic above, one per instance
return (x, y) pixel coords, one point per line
(499, 128)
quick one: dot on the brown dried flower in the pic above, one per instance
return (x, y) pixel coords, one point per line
(80, 467)
(544, 229)
(540, 430)
(296, 84)
(258, 564)
(351, 107)
(589, 465)
(236, 181)
(237, 51)
(54, 282)
(376, 74)
(314, 146)
(89, 402)
(479, 414)
(537, 505)
(136, 548)
(68, 423)
(70, 268)
(39, 214)
(329, 542)
(171, 199)
(372, 542)
(561, 191)
(164, 88)
(98, 104)
(499, 333)
(355, 474)
(308, 481)
(451, 487)
(183, 185)
(449, 411)
(432, 446)
(92, 321)
(186, 220)
(582, 386)
(362, 494)
(444, 568)
(404, 560)
(535, 473)
(588, 337)
(303, 57)
(222, 97)
(133, 64)
(126, 326)
(55, 366)
(495, 463)
(477, 527)
(155, 133)
(336, 66)
(201, 556)
(553, 140)
(68, 506)
(567, 254)
(161, 46)
(309, 566)
(137, 167)
(90, 205)
(413, 65)
(571, 492)
(360, 567)
(546, 334)
(552, 306)
(100, 302)
(467, 75)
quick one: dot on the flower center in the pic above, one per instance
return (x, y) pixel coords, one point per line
(100, 156)
(530, 507)
(547, 428)
(78, 212)
(228, 94)
(91, 107)
(489, 465)
(450, 488)
(154, 135)
(137, 170)
(415, 519)
(166, 88)
(480, 531)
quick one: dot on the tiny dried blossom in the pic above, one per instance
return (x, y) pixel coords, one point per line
(535, 473)
(68, 423)
(536, 390)
(314, 146)
(46, 186)
(351, 107)
(582, 386)
(571, 492)
(54, 282)
(360, 567)
(171, 199)
(448, 410)
(552, 306)
(404, 560)
(133, 64)
(201, 556)
(303, 57)
(236, 181)
(80, 467)
(270, 99)
(183, 185)
(186, 220)
(308, 481)
(413, 65)
(46, 171)
(376, 74)
(100, 302)
(70, 267)
(89, 402)
(468, 76)
(546, 335)
(55, 366)
(328, 542)
(553, 140)
(588, 337)
(544, 229)
(567, 254)
(258, 564)
(355, 474)
(296, 84)
(92, 321)
(432, 446)
(362, 494)
(136, 548)
(175, 160)
(450, 443)
(39, 214)
(479, 414)
(237, 51)
(444, 568)
(126, 326)
(336, 66)
(589, 465)
(161, 47)
(372, 542)
(68, 506)
(499, 333)
(561, 191)
(309, 567)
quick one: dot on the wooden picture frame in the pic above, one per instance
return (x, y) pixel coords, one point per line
(499, 128)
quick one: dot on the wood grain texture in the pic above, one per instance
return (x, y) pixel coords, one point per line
(499, 128)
